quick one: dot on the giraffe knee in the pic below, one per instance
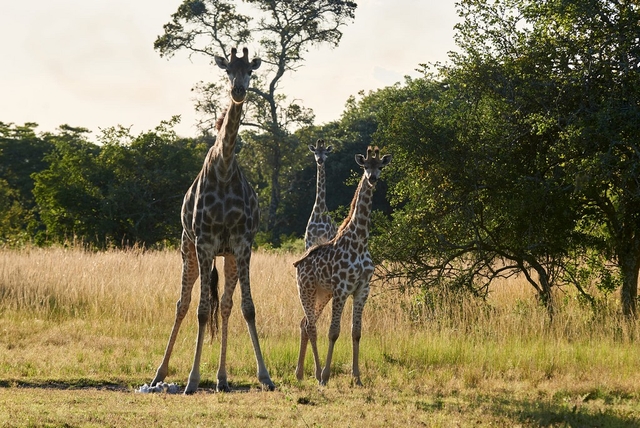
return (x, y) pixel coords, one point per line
(203, 318)
(182, 306)
(249, 312)
(334, 333)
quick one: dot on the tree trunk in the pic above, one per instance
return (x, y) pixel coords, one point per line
(544, 293)
(274, 203)
(542, 286)
(629, 265)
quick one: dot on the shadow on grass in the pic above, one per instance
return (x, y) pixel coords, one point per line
(205, 386)
(576, 414)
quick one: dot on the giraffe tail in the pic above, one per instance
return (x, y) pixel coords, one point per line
(215, 302)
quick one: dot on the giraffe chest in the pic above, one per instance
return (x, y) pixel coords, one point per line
(221, 211)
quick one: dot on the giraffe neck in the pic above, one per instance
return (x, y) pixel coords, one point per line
(320, 206)
(357, 221)
(222, 154)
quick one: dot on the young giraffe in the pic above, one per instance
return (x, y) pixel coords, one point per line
(338, 269)
(320, 227)
(219, 218)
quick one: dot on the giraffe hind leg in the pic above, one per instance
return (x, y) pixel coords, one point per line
(304, 340)
(313, 302)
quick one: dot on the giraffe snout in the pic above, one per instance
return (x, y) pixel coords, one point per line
(238, 93)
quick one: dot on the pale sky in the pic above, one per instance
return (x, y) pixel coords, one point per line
(91, 63)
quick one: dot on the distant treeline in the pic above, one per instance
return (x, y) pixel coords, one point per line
(125, 190)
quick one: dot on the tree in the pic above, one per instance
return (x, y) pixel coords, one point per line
(123, 192)
(148, 177)
(475, 200)
(285, 31)
(579, 61)
(69, 192)
(523, 151)
(22, 153)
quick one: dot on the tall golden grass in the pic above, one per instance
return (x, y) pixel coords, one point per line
(107, 316)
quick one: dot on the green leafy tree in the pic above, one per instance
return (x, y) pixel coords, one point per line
(148, 177)
(69, 192)
(476, 199)
(579, 62)
(12, 215)
(523, 151)
(22, 153)
(122, 192)
(285, 31)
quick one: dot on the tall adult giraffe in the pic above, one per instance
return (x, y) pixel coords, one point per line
(220, 218)
(339, 269)
(320, 227)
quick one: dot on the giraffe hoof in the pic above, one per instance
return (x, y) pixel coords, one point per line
(268, 385)
(222, 386)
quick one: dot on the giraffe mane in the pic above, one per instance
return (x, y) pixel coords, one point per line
(376, 153)
(220, 119)
(352, 209)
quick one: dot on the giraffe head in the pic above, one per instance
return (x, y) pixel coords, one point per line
(320, 151)
(239, 71)
(373, 164)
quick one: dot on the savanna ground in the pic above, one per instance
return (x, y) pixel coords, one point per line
(81, 331)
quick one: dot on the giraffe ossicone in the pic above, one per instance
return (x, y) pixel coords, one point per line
(219, 218)
(320, 227)
(339, 269)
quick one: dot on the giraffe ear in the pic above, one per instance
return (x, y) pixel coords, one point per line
(221, 62)
(255, 64)
(313, 149)
(329, 149)
(386, 160)
(360, 160)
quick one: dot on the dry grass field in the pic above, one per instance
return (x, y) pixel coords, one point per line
(81, 331)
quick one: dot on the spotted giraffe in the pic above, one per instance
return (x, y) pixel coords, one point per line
(339, 269)
(320, 227)
(220, 218)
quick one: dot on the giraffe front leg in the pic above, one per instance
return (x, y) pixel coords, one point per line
(226, 305)
(249, 313)
(359, 301)
(204, 315)
(339, 300)
(189, 276)
(194, 375)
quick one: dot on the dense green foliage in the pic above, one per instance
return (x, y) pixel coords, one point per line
(521, 157)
